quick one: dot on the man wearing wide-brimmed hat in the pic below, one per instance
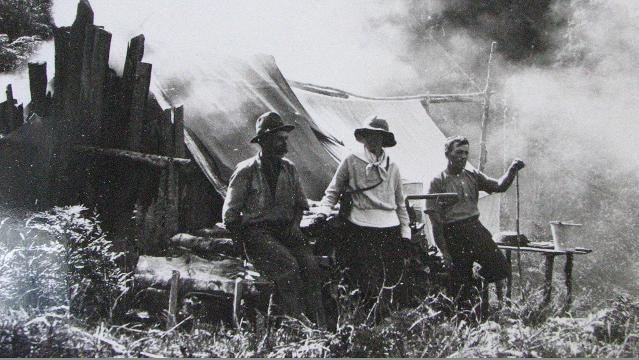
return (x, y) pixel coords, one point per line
(377, 225)
(263, 207)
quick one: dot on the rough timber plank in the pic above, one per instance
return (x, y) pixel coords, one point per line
(136, 120)
(38, 87)
(98, 68)
(178, 120)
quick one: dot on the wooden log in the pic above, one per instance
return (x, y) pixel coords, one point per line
(178, 120)
(173, 299)
(550, 261)
(432, 98)
(452, 99)
(206, 246)
(138, 157)
(38, 87)
(136, 120)
(198, 274)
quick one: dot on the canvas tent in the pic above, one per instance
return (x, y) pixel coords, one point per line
(222, 102)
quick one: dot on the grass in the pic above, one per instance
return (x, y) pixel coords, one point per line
(63, 296)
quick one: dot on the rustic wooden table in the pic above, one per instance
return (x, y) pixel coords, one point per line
(549, 254)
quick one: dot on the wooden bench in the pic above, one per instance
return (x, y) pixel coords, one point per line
(549, 253)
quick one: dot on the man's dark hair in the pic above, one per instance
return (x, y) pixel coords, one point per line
(454, 140)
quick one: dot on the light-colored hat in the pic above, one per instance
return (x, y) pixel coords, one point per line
(268, 123)
(375, 124)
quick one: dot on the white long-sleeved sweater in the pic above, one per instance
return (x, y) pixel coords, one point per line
(382, 206)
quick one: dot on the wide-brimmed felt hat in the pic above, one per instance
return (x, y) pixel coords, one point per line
(268, 123)
(375, 124)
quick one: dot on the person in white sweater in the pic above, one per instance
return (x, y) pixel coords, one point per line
(376, 231)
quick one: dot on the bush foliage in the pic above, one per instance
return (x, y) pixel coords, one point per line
(62, 286)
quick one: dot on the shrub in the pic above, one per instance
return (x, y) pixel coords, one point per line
(62, 258)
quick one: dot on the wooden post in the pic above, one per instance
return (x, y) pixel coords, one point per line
(174, 179)
(140, 92)
(95, 68)
(568, 279)
(166, 129)
(509, 279)
(485, 304)
(134, 54)
(173, 299)
(85, 70)
(237, 300)
(19, 116)
(4, 121)
(486, 112)
(61, 43)
(81, 29)
(10, 110)
(99, 68)
(172, 201)
(550, 261)
(178, 122)
(38, 87)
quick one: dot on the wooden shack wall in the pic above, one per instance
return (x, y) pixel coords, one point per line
(144, 202)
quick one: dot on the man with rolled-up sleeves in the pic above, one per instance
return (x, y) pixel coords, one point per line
(458, 233)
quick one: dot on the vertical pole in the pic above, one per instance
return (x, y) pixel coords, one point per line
(237, 299)
(568, 279)
(550, 261)
(173, 296)
(509, 279)
(486, 110)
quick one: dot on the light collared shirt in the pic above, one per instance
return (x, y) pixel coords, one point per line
(249, 200)
(467, 185)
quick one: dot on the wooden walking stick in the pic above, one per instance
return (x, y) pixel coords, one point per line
(523, 295)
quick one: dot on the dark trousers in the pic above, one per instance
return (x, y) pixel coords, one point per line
(373, 257)
(469, 241)
(282, 254)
